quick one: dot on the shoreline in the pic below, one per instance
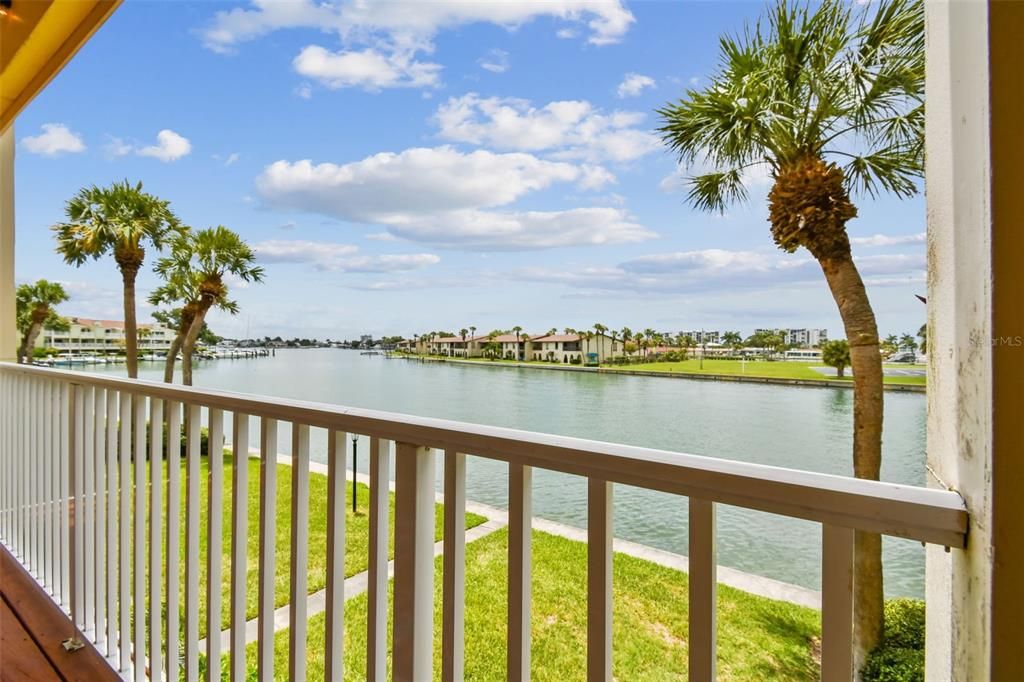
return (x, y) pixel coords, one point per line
(741, 378)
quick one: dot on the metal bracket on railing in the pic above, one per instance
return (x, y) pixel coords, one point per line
(72, 644)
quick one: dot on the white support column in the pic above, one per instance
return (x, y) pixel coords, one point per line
(414, 563)
(8, 329)
(975, 333)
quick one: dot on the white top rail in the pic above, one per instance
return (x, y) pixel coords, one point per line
(927, 515)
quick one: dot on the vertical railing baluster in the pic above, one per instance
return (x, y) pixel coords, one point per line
(19, 470)
(520, 516)
(173, 562)
(836, 604)
(267, 547)
(156, 463)
(37, 477)
(239, 541)
(599, 580)
(453, 591)
(100, 516)
(66, 456)
(703, 591)
(124, 518)
(6, 404)
(139, 540)
(413, 622)
(193, 451)
(77, 505)
(377, 586)
(297, 625)
(42, 452)
(214, 541)
(111, 493)
(88, 515)
(49, 496)
(336, 509)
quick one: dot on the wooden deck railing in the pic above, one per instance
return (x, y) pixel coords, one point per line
(68, 508)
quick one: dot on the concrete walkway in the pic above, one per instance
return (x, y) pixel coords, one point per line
(498, 519)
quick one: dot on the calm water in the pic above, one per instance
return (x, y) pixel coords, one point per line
(806, 428)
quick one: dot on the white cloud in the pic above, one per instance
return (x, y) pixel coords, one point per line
(55, 139)
(570, 129)
(232, 158)
(888, 240)
(381, 237)
(721, 270)
(392, 34)
(369, 69)
(633, 84)
(441, 196)
(116, 147)
(475, 230)
(566, 33)
(170, 146)
(495, 61)
(694, 81)
(416, 180)
(332, 257)
(304, 90)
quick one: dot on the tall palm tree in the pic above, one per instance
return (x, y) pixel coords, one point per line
(121, 220)
(829, 100)
(205, 257)
(627, 336)
(922, 334)
(35, 307)
(649, 335)
(639, 339)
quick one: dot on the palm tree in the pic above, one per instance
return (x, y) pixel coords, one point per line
(516, 330)
(552, 331)
(812, 87)
(649, 335)
(639, 339)
(204, 258)
(35, 306)
(180, 288)
(120, 219)
(599, 330)
(922, 334)
(627, 336)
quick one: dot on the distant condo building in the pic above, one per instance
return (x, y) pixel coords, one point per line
(703, 336)
(800, 338)
(104, 336)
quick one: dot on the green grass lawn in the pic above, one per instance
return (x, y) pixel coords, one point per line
(356, 537)
(758, 639)
(752, 368)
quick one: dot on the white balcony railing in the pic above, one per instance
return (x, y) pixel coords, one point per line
(71, 513)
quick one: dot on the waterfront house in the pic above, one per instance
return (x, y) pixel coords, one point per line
(72, 582)
(104, 336)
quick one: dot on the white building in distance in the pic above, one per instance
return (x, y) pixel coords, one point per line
(103, 336)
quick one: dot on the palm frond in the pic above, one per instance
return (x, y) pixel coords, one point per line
(715, 191)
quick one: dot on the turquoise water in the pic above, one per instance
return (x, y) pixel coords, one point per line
(805, 428)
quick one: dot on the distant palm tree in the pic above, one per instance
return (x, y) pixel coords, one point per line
(120, 219)
(552, 331)
(35, 306)
(204, 258)
(814, 86)
(649, 334)
(639, 339)
(922, 334)
(627, 336)
(599, 330)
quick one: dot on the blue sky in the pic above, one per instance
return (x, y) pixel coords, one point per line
(408, 168)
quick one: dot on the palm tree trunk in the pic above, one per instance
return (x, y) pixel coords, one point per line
(866, 362)
(131, 338)
(30, 341)
(188, 346)
(172, 356)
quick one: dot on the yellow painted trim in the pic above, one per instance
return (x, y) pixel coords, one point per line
(60, 33)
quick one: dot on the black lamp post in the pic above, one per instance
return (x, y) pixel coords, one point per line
(355, 456)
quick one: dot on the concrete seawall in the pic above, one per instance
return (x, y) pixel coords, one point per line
(741, 378)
